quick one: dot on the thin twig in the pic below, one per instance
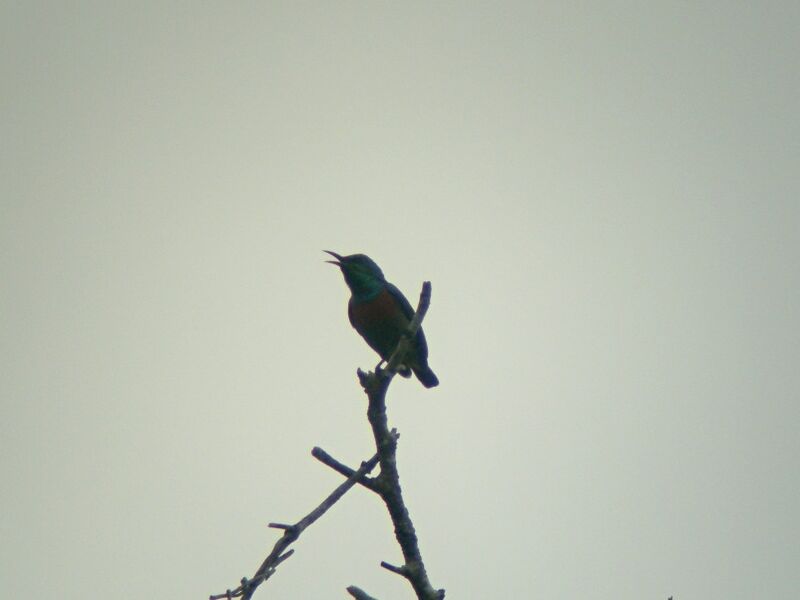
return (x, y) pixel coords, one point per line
(291, 533)
(327, 459)
(390, 567)
(359, 594)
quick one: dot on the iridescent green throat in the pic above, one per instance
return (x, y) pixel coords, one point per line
(364, 286)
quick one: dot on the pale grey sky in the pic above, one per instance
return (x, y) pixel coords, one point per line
(604, 196)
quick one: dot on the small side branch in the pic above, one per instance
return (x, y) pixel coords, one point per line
(359, 594)
(327, 459)
(402, 571)
(280, 551)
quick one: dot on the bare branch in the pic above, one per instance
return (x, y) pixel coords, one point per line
(327, 459)
(359, 594)
(386, 484)
(390, 567)
(376, 386)
(291, 533)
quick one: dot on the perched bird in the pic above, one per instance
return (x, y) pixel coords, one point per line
(380, 313)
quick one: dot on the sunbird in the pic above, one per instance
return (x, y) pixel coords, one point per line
(380, 313)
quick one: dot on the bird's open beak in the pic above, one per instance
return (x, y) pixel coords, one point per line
(336, 256)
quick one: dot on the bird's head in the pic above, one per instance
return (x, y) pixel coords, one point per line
(363, 277)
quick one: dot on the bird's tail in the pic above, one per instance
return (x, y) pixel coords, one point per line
(425, 375)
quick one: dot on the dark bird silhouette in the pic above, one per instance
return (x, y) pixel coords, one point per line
(380, 313)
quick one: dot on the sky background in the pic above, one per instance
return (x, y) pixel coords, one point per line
(604, 196)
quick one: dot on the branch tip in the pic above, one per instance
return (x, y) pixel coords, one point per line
(283, 557)
(358, 593)
(399, 570)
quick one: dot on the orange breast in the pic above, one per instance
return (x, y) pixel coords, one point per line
(380, 321)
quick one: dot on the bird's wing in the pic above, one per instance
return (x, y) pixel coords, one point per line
(408, 311)
(421, 343)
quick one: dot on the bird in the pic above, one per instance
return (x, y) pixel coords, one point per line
(380, 313)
